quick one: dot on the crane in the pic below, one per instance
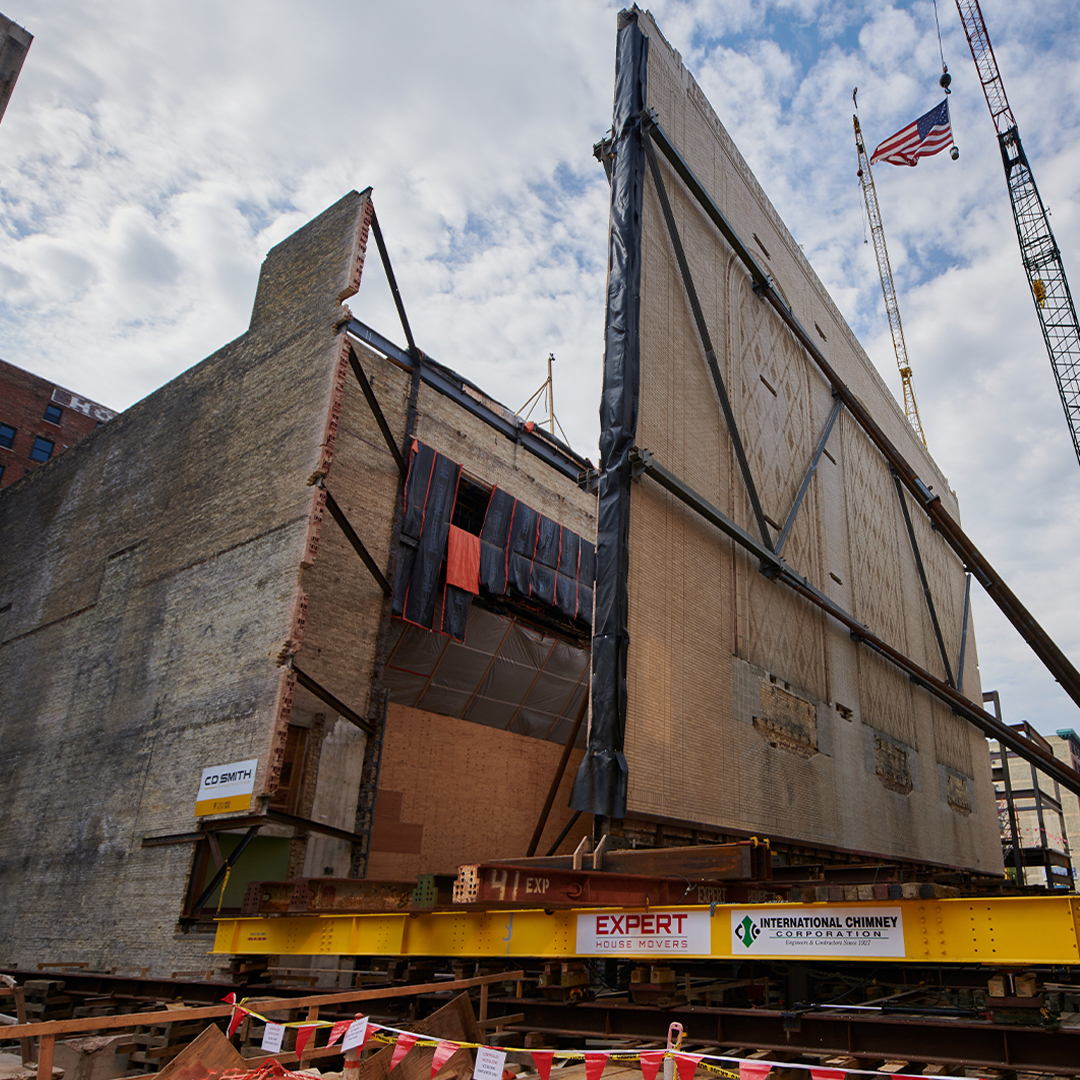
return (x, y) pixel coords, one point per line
(1038, 248)
(911, 409)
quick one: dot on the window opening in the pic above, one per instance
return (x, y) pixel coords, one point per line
(53, 413)
(42, 449)
(471, 505)
(7, 435)
(287, 796)
(266, 859)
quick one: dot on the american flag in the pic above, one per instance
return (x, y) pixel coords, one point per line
(928, 135)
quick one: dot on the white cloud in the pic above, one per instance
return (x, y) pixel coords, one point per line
(152, 153)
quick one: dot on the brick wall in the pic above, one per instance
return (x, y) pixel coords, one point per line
(148, 595)
(24, 398)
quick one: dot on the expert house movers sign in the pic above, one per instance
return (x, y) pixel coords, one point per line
(834, 932)
(645, 933)
(226, 787)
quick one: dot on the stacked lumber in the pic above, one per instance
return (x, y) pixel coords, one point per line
(46, 1000)
(156, 1044)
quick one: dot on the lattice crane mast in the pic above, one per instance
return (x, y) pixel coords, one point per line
(1038, 248)
(911, 409)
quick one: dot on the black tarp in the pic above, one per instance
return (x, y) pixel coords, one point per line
(429, 503)
(600, 784)
(519, 548)
(494, 541)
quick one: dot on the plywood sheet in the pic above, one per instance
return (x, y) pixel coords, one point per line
(453, 792)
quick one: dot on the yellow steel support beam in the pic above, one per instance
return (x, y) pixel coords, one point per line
(996, 931)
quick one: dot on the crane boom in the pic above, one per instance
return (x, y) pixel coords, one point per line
(892, 308)
(1038, 248)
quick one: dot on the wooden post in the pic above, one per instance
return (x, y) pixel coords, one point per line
(45, 1057)
(484, 1001)
(20, 1015)
(305, 1057)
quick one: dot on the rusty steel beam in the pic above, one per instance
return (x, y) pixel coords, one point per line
(337, 896)
(868, 1035)
(742, 861)
(490, 883)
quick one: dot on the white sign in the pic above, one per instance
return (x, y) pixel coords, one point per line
(489, 1063)
(356, 1034)
(272, 1037)
(645, 933)
(837, 932)
(224, 788)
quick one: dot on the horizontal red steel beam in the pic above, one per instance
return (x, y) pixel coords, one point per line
(547, 887)
(325, 896)
(740, 861)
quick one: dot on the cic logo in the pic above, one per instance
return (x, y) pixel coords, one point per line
(747, 931)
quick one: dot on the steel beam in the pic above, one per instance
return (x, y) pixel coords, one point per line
(391, 280)
(318, 896)
(560, 769)
(740, 861)
(707, 345)
(223, 870)
(775, 567)
(324, 695)
(376, 409)
(876, 1035)
(357, 544)
(990, 931)
(528, 886)
(922, 578)
(551, 450)
(963, 634)
(810, 470)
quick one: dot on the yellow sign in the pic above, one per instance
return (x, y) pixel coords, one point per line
(222, 806)
(224, 788)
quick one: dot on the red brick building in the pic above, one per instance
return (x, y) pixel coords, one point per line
(38, 420)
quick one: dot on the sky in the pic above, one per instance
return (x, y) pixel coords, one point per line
(152, 153)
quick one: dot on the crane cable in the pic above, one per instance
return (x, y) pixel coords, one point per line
(946, 78)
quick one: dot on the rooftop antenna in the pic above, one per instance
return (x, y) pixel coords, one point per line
(547, 392)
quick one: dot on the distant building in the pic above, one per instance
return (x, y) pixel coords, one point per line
(1037, 818)
(39, 420)
(1066, 747)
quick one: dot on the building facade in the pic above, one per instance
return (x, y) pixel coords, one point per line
(38, 420)
(196, 606)
(1037, 817)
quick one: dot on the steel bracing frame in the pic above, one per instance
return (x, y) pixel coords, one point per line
(906, 478)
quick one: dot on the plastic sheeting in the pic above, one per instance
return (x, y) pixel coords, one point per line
(525, 552)
(600, 784)
(507, 676)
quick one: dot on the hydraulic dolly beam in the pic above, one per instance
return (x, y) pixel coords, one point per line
(993, 931)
